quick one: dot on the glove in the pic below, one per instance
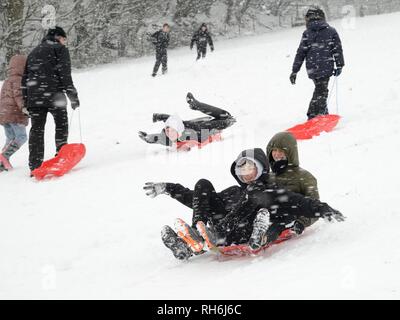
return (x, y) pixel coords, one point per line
(25, 112)
(154, 189)
(75, 104)
(143, 136)
(337, 72)
(212, 49)
(293, 77)
(330, 215)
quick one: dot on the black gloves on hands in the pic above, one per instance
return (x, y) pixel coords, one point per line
(331, 215)
(293, 77)
(337, 72)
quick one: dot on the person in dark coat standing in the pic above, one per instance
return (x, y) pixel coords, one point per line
(321, 47)
(202, 37)
(161, 40)
(46, 80)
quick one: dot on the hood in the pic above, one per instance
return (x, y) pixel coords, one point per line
(175, 122)
(287, 142)
(203, 25)
(256, 154)
(317, 25)
(17, 65)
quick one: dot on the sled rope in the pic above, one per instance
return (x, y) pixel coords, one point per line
(79, 122)
(330, 94)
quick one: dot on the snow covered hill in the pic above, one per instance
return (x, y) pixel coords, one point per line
(94, 233)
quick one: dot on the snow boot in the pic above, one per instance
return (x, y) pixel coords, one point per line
(4, 163)
(191, 237)
(190, 100)
(208, 234)
(160, 117)
(260, 227)
(178, 247)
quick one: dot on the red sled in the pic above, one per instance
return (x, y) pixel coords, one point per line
(187, 145)
(245, 250)
(67, 158)
(313, 127)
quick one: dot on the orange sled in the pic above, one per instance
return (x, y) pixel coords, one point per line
(187, 145)
(245, 250)
(313, 127)
(68, 157)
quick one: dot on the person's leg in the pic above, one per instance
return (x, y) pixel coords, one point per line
(198, 52)
(158, 62)
(207, 206)
(318, 104)
(9, 135)
(164, 61)
(209, 110)
(36, 137)
(19, 134)
(60, 116)
(204, 52)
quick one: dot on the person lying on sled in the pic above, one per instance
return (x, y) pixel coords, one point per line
(200, 129)
(229, 217)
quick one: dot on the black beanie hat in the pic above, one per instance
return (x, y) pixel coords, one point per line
(315, 14)
(57, 31)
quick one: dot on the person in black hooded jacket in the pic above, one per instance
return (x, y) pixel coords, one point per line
(46, 80)
(201, 37)
(230, 214)
(161, 41)
(322, 49)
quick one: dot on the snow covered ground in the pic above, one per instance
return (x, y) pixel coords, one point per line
(94, 233)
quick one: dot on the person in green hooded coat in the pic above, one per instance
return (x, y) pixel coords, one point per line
(283, 157)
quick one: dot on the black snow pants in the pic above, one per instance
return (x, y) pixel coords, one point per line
(36, 135)
(161, 58)
(318, 104)
(201, 51)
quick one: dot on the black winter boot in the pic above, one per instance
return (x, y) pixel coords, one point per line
(178, 247)
(160, 117)
(10, 150)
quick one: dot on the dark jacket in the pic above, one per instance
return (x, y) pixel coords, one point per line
(11, 102)
(161, 40)
(201, 38)
(47, 76)
(321, 47)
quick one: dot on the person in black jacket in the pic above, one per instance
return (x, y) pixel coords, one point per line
(198, 129)
(201, 38)
(161, 40)
(46, 80)
(321, 47)
(236, 215)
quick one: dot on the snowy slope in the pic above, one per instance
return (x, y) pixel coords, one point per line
(94, 234)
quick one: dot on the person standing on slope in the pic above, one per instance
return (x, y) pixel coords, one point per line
(13, 114)
(200, 129)
(47, 78)
(321, 47)
(283, 158)
(161, 40)
(202, 37)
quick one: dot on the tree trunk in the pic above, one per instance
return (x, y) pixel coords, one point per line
(14, 16)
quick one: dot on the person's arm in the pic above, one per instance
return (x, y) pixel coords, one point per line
(157, 138)
(309, 186)
(154, 37)
(210, 41)
(194, 39)
(337, 51)
(301, 54)
(24, 89)
(180, 193)
(64, 73)
(17, 94)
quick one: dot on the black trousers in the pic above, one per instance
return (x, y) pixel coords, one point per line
(201, 52)
(318, 104)
(208, 206)
(161, 59)
(36, 135)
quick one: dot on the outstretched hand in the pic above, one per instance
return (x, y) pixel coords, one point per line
(333, 215)
(154, 189)
(143, 136)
